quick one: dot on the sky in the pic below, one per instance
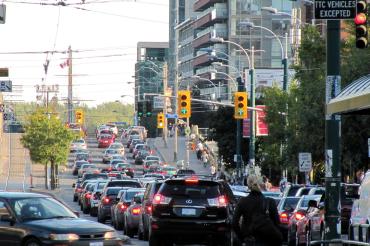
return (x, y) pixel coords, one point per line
(103, 35)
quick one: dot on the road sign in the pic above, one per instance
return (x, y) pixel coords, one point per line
(5, 85)
(2, 108)
(305, 162)
(4, 72)
(171, 116)
(158, 102)
(335, 9)
(2, 13)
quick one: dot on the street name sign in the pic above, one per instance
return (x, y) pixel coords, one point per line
(5, 85)
(335, 9)
(305, 162)
(158, 102)
(171, 116)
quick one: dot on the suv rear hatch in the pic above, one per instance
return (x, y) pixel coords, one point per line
(190, 198)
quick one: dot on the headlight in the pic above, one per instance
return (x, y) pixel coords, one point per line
(64, 237)
(110, 235)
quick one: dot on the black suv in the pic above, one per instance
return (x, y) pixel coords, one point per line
(191, 210)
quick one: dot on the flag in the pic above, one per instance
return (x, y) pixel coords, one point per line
(64, 64)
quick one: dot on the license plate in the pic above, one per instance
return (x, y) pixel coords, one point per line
(188, 211)
(96, 244)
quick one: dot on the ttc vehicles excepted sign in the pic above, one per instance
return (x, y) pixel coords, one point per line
(335, 9)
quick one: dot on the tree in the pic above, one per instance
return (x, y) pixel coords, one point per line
(48, 141)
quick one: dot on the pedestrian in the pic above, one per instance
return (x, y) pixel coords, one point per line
(260, 223)
(204, 158)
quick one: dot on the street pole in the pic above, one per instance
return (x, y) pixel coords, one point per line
(176, 88)
(332, 133)
(238, 137)
(252, 128)
(285, 63)
(70, 96)
(165, 78)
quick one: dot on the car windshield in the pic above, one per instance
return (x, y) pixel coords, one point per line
(111, 151)
(88, 166)
(116, 146)
(290, 203)
(79, 141)
(101, 185)
(130, 194)
(40, 208)
(200, 190)
(113, 191)
(152, 158)
(304, 203)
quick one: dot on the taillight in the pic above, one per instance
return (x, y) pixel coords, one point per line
(299, 216)
(220, 201)
(123, 207)
(160, 199)
(284, 218)
(149, 209)
(136, 211)
(87, 195)
(106, 200)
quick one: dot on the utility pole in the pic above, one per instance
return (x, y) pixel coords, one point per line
(252, 127)
(238, 137)
(332, 132)
(165, 81)
(70, 96)
(285, 63)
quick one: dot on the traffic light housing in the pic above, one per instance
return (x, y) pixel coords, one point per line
(160, 120)
(240, 105)
(140, 109)
(79, 115)
(361, 24)
(149, 108)
(184, 104)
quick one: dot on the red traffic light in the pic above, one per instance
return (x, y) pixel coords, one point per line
(360, 19)
(183, 97)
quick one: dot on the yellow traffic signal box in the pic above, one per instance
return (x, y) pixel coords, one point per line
(240, 105)
(184, 104)
(160, 120)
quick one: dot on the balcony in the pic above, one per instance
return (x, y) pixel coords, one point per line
(204, 37)
(213, 16)
(203, 60)
(201, 5)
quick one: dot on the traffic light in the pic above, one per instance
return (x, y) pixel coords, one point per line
(140, 109)
(240, 105)
(184, 104)
(361, 24)
(79, 115)
(160, 120)
(149, 108)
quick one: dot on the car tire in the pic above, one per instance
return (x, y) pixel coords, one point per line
(32, 242)
(75, 198)
(129, 232)
(290, 240)
(101, 219)
(119, 225)
(85, 210)
(92, 213)
(140, 235)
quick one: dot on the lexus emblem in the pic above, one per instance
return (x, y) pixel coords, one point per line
(189, 201)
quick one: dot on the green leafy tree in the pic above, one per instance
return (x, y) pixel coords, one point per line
(48, 141)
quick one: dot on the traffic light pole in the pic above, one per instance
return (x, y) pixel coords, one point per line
(332, 133)
(252, 128)
(241, 88)
(165, 77)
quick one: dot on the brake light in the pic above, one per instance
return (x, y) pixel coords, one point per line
(149, 209)
(160, 199)
(123, 207)
(136, 211)
(192, 180)
(96, 197)
(106, 200)
(87, 195)
(299, 216)
(284, 218)
(220, 201)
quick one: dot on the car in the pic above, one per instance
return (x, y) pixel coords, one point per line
(113, 127)
(138, 147)
(131, 137)
(108, 198)
(185, 172)
(141, 155)
(78, 144)
(95, 196)
(80, 156)
(154, 175)
(132, 215)
(286, 207)
(86, 195)
(291, 189)
(119, 147)
(298, 214)
(87, 168)
(133, 144)
(191, 210)
(76, 189)
(105, 140)
(147, 165)
(88, 176)
(34, 219)
(169, 170)
(77, 165)
(153, 169)
(107, 155)
(146, 208)
(130, 183)
(125, 168)
(124, 201)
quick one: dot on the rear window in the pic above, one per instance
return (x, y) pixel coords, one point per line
(199, 190)
(124, 184)
(79, 141)
(319, 192)
(95, 176)
(113, 191)
(305, 191)
(185, 172)
(290, 203)
(101, 186)
(293, 190)
(130, 194)
(111, 151)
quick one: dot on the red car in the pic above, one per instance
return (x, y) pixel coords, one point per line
(105, 140)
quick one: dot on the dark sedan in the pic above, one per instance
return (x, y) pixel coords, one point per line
(35, 219)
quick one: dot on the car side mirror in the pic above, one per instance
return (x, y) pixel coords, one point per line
(73, 185)
(7, 218)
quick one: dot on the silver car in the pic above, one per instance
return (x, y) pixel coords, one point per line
(108, 153)
(132, 215)
(78, 144)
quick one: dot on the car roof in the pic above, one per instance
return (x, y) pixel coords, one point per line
(10, 195)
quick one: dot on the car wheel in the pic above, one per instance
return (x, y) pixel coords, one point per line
(85, 210)
(92, 213)
(32, 242)
(290, 240)
(101, 219)
(140, 234)
(145, 234)
(75, 198)
(119, 225)
(129, 231)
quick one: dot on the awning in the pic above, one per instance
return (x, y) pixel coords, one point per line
(353, 99)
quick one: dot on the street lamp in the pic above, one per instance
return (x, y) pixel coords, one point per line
(227, 75)
(225, 65)
(284, 53)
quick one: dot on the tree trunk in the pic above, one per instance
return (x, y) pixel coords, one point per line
(46, 176)
(52, 175)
